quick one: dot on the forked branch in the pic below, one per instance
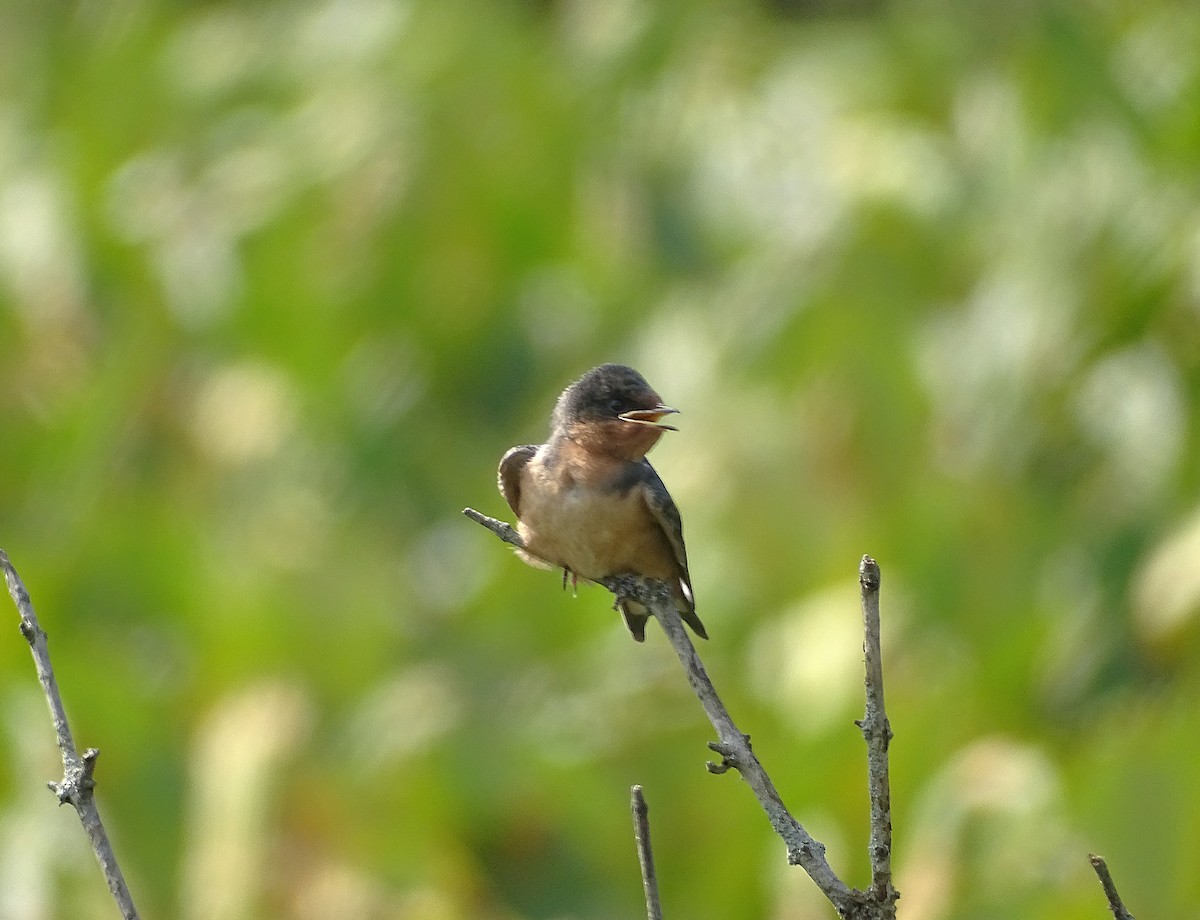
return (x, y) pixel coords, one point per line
(878, 902)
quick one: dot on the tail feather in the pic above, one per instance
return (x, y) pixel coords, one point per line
(689, 617)
(636, 615)
(635, 619)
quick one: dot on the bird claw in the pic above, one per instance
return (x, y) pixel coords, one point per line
(574, 581)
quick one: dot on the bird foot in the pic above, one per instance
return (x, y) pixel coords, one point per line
(574, 581)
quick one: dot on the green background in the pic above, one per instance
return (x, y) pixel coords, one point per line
(281, 281)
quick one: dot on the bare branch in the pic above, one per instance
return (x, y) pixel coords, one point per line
(641, 834)
(1110, 888)
(878, 734)
(77, 784)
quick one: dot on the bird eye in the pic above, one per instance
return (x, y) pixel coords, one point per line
(614, 406)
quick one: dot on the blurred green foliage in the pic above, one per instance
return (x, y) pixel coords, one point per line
(279, 283)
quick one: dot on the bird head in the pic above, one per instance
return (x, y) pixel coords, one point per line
(613, 409)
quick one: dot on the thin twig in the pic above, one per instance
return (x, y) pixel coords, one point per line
(641, 834)
(77, 786)
(1120, 912)
(502, 529)
(732, 744)
(878, 734)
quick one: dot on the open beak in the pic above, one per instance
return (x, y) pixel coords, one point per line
(650, 417)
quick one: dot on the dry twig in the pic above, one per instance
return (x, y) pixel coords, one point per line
(1120, 912)
(877, 732)
(641, 835)
(77, 785)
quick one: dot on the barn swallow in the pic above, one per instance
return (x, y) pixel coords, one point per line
(587, 501)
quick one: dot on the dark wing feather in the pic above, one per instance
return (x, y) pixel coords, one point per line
(662, 506)
(508, 477)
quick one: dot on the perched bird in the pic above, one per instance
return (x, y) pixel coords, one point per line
(587, 501)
